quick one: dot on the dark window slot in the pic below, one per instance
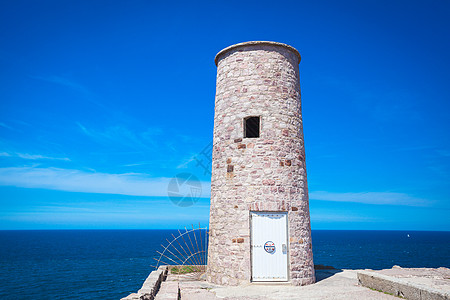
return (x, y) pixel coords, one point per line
(251, 127)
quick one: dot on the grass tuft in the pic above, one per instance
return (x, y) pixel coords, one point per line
(183, 270)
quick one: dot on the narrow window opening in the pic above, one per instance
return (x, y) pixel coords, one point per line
(251, 127)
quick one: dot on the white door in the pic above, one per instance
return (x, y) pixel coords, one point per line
(269, 246)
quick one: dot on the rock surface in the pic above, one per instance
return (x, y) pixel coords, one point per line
(410, 283)
(332, 284)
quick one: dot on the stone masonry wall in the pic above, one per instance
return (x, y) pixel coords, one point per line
(257, 174)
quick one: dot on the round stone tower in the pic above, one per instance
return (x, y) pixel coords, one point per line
(259, 218)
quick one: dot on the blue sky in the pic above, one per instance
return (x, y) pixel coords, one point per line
(103, 102)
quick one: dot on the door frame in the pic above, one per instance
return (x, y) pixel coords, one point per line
(287, 244)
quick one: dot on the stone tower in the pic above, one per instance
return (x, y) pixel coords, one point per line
(259, 218)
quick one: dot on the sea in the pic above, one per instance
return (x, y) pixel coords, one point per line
(110, 264)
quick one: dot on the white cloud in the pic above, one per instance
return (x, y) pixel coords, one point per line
(184, 165)
(444, 153)
(64, 82)
(32, 156)
(386, 198)
(73, 85)
(122, 136)
(5, 126)
(133, 184)
(343, 217)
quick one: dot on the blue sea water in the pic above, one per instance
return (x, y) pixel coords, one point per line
(110, 264)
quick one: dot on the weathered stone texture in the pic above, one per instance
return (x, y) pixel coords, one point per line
(151, 285)
(257, 174)
(409, 283)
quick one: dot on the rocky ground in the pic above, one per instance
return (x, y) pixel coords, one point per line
(331, 284)
(409, 283)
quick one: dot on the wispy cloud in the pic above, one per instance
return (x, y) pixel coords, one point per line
(185, 163)
(384, 198)
(370, 99)
(443, 152)
(324, 217)
(413, 148)
(120, 135)
(145, 163)
(32, 156)
(133, 184)
(73, 85)
(64, 82)
(5, 126)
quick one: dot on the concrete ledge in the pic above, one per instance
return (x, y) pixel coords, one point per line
(400, 287)
(151, 285)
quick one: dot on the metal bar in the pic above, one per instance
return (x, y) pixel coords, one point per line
(160, 260)
(196, 244)
(177, 249)
(187, 245)
(193, 248)
(174, 254)
(180, 245)
(201, 241)
(206, 247)
(167, 257)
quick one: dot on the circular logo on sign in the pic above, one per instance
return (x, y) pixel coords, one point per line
(269, 247)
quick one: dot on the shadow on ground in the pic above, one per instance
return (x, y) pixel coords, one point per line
(324, 272)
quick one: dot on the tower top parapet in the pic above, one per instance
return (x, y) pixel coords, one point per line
(253, 43)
